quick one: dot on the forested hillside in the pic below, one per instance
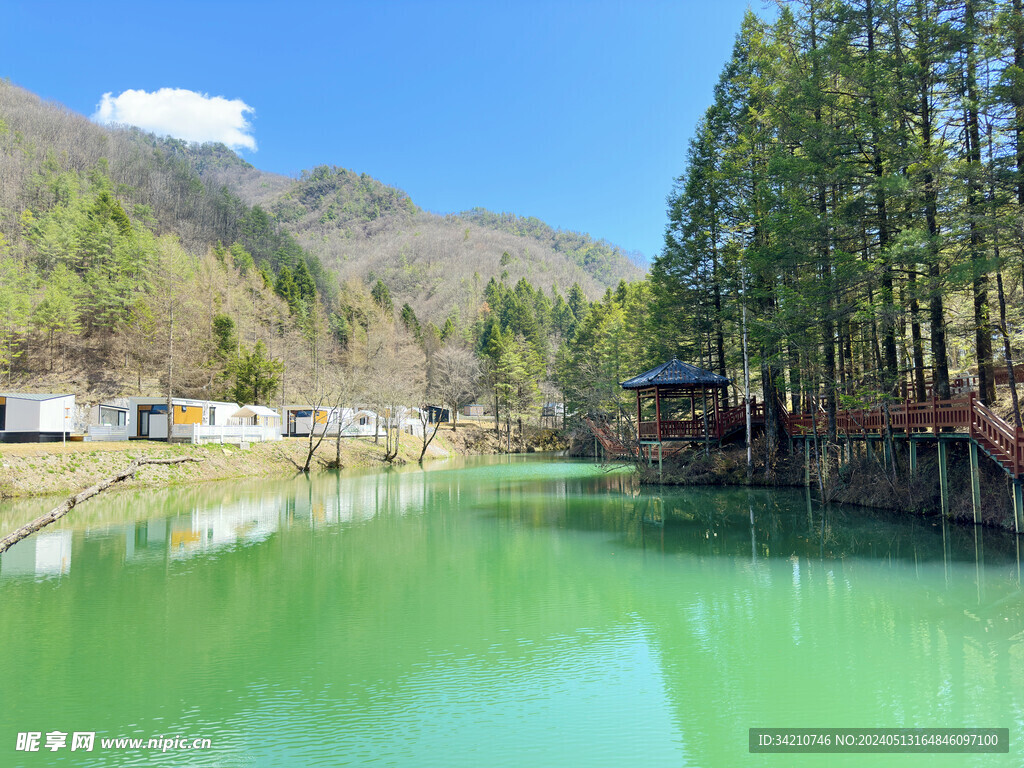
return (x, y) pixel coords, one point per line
(365, 230)
(853, 207)
(132, 264)
(113, 276)
(606, 262)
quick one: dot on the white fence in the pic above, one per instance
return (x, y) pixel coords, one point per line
(234, 433)
(409, 427)
(106, 433)
(351, 430)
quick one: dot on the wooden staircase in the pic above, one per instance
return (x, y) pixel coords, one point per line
(613, 446)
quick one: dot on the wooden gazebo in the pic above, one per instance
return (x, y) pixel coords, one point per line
(678, 401)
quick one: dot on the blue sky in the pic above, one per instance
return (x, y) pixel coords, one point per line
(577, 113)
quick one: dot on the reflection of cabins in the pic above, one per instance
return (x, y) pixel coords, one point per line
(43, 554)
(679, 401)
(147, 416)
(248, 521)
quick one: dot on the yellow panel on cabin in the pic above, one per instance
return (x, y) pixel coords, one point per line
(321, 417)
(193, 414)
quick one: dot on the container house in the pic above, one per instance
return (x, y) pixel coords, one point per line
(147, 416)
(35, 418)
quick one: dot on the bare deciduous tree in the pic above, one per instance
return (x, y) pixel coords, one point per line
(454, 373)
(395, 377)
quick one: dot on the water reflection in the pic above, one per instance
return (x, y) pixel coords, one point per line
(44, 555)
(700, 521)
(504, 613)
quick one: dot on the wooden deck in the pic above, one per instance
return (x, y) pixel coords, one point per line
(965, 416)
(959, 417)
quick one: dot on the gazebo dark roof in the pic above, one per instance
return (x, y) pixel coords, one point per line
(675, 373)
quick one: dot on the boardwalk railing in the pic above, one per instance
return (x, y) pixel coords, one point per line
(1001, 440)
(736, 417)
(673, 430)
(966, 415)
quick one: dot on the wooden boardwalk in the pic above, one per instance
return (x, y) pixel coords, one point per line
(957, 417)
(939, 420)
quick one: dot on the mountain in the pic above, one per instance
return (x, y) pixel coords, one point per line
(126, 259)
(362, 229)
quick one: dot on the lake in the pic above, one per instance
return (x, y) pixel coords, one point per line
(521, 611)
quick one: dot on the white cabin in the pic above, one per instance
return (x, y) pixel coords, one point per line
(147, 416)
(299, 419)
(35, 418)
(108, 422)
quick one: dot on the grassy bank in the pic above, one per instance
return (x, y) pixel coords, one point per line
(45, 469)
(51, 468)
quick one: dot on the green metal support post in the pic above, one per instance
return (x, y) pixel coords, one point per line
(913, 456)
(807, 462)
(943, 477)
(975, 483)
(1018, 505)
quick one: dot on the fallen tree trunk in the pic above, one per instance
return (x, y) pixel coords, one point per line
(73, 501)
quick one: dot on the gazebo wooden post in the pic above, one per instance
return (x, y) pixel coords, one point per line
(714, 399)
(639, 411)
(657, 410)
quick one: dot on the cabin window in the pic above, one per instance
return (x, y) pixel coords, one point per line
(113, 417)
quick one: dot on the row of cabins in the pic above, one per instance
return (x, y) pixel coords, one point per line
(55, 417)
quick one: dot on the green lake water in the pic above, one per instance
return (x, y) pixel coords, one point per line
(500, 612)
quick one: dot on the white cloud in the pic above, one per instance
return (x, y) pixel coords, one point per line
(181, 113)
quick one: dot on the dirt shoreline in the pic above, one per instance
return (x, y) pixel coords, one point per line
(861, 482)
(48, 469)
